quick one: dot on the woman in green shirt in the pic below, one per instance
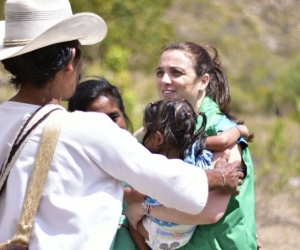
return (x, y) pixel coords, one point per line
(187, 70)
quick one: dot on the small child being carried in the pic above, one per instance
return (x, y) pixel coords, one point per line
(169, 129)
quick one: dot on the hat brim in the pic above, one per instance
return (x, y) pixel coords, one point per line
(88, 28)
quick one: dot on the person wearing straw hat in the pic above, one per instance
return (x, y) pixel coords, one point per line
(82, 197)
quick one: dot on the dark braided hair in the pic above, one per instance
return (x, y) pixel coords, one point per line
(176, 120)
(40, 66)
(218, 87)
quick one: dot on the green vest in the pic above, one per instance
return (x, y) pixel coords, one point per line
(237, 228)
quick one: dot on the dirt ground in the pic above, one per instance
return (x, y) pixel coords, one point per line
(278, 221)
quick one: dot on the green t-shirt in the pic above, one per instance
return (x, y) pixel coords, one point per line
(237, 228)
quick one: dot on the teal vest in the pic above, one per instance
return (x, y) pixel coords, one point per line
(237, 228)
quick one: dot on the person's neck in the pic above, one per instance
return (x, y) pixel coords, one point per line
(200, 98)
(170, 153)
(31, 95)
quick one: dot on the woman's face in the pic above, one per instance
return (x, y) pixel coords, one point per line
(108, 105)
(177, 78)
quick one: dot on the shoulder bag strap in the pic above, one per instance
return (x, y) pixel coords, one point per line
(36, 118)
(38, 179)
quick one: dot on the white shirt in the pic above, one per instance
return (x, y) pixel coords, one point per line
(82, 199)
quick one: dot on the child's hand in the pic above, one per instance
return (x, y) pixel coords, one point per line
(134, 213)
(132, 195)
(136, 195)
(243, 130)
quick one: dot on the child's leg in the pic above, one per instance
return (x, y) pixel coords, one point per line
(138, 236)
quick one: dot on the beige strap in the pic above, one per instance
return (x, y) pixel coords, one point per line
(38, 179)
(21, 138)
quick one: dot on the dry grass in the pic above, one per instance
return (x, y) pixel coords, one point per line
(278, 220)
(277, 201)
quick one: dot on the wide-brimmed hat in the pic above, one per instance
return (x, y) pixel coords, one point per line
(34, 24)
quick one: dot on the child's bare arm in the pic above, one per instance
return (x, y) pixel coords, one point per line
(243, 130)
(139, 236)
(226, 138)
(132, 195)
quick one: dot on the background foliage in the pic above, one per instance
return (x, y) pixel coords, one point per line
(135, 30)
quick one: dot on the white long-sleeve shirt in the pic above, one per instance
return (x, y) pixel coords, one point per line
(82, 199)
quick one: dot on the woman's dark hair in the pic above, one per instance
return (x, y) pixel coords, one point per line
(40, 66)
(218, 87)
(176, 120)
(89, 90)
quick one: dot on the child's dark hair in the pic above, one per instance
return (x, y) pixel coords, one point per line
(89, 90)
(176, 120)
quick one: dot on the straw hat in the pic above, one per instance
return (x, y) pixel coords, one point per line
(34, 24)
